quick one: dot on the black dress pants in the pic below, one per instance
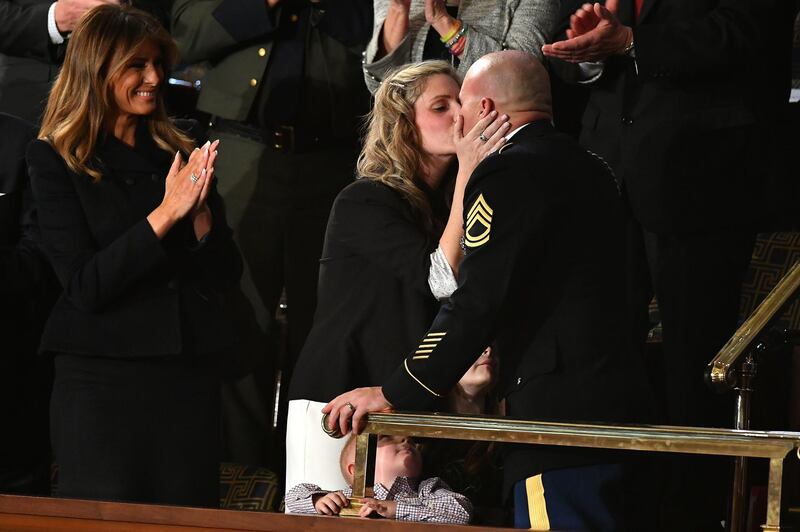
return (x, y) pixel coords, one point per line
(137, 430)
(697, 281)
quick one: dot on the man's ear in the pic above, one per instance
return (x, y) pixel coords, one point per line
(351, 471)
(487, 106)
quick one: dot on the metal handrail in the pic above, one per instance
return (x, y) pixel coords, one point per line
(721, 370)
(734, 367)
(723, 442)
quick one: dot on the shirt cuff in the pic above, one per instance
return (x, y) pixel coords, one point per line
(441, 279)
(52, 27)
(589, 72)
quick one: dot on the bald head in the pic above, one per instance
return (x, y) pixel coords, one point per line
(512, 82)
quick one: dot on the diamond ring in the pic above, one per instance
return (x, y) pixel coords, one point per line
(483, 137)
(349, 404)
(194, 178)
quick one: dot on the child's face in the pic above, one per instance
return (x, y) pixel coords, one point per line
(397, 456)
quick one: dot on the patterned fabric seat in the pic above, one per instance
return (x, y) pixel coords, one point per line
(773, 255)
(241, 487)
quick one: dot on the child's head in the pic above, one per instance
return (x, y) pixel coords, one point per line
(396, 456)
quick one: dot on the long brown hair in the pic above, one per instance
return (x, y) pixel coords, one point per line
(392, 152)
(100, 47)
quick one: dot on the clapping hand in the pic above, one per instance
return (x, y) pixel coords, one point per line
(584, 20)
(395, 26)
(186, 188)
(595, 33)
(437, 16)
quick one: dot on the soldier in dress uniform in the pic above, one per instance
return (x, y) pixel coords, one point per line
(543, 276)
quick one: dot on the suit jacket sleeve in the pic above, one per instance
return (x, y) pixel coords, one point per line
(216, 260)
(92, 277)
(466, 323)
(723, 41)
(23, 31)
(370, 220)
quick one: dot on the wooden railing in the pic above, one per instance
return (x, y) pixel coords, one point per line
(39, 514)
(774, 446)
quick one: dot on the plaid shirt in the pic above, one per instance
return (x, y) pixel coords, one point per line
(431, 501)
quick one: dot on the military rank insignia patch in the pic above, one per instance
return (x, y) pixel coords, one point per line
(428, 345)
(479, 223)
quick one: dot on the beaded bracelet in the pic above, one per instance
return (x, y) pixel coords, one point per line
(458, 43)
(456, 38)
(458, 48)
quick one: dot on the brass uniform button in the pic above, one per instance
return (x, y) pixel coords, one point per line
(262, 52)
(253, 82)
(293, 18)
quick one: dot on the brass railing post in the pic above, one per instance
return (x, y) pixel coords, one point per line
(362, 457)
(747, 373)
(774, 495)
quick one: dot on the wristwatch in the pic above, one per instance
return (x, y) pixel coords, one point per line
(629, 50)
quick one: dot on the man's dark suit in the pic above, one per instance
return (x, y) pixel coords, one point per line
(685, 126)
(29, 61)
(676, 124)
(27, 290)
(543, 274)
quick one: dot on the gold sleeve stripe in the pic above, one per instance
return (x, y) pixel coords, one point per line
(423, 351)
(426, 346)
(438, 339)
(537, 504)
(420, 357)
(475, 243)
(481, 201)
(437, 334)
(481, 235)
(480, 215)
(405, 365)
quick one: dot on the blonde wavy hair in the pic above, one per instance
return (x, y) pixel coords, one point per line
(99, 49)
(392, 152)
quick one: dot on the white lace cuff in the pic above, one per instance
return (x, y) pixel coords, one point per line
(440, 276)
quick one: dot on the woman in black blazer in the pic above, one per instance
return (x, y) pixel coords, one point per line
(139, 242)
(391, 249)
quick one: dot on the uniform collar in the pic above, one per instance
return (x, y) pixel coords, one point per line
(537, 128)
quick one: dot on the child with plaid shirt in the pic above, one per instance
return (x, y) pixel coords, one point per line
(398, 493)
